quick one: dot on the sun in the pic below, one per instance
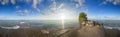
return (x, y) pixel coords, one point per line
(63, 14)
(62, 17)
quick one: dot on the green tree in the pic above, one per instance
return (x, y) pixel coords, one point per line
(82, 17)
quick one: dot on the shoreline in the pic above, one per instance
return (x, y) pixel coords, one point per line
(38, 32)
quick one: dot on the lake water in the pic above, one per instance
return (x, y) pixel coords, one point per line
(38, 23)
(110, 24)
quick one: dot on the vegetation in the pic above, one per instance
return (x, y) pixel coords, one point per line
(82, 17)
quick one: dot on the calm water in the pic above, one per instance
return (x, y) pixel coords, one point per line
(111, 23)
(38, 23)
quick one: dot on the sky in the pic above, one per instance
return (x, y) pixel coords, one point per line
(55, 9)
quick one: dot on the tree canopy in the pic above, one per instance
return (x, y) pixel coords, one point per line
(82, 16)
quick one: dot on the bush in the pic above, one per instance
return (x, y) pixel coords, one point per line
(82, 17)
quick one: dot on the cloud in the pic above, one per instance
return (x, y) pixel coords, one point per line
(13, 1)
(115, 2)
(76, 5)
(61, 6)
(17, 7)
(23, 12)
(26, 11)
(37, 9)
(3, 2)
(35, 3)
(53, 6)
(80, 3)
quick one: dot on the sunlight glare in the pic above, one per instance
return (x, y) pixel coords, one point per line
(62, 20)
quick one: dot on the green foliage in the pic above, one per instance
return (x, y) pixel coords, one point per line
(82, 16)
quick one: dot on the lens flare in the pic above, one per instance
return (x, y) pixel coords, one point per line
(62, 21)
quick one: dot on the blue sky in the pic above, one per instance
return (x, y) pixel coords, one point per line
(52, 9)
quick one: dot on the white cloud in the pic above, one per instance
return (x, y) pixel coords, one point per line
(80, 3)
(77, 5)
(115, 2)
(19, 11)
(55, 10)
(13, 1)
(35, 3)
(17, 7)
(3, 2)
(61, 12)
(26, 11)
(23, 12)
(53, 6)
(104, 2)
(61, 6)
(38, 9)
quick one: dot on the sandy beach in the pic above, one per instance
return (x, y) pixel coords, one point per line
(84, 32)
